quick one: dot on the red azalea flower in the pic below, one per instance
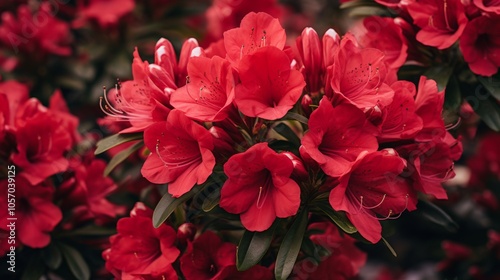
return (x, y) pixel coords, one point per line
(359, 75)
(259, 187)
(42, 141)
(336, 136)
(480, 45)
(210, 91)
(36, 215)
(181, 153)
(372, 188)
(256, 30)
(36, 33)
(429, 164)
(311, 55)
(441, 21)
(86, 192)
(485, 164)
(384, 34)
(399, 118)
(429, 106)
(223, 15)
(208, 258)
(489, 6)
(139, 101)
(269, 87)
(140, 250)
(107, 13)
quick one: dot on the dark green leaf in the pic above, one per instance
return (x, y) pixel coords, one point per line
(52, 256)
(441, 74)
(492, 84)
(75, 262)
(115, 140)
(253, 246)
(393, 252)
(486, 107)
(452, 98)
(121, 156)
(90, 230)
(285, 131)
(358, 3)
(436, 215)
(290, 247)
(338, 218)
(211, 200)
(167, 206)
(295, 117)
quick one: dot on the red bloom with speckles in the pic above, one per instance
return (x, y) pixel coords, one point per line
(372, 190)
(336, 136)
(139, 250)
(256, 30)
(441, 21)
(210, 92)
(384, 34)
(181, 153)
(259, 187)
(269, 87)
(399, 118)
(358, 76)
(146, 99)
(226, 14)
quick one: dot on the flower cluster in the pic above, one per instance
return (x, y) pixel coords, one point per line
(443, 23)
(281, 130)
(54, 186)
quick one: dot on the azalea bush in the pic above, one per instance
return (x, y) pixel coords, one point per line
(232, 140)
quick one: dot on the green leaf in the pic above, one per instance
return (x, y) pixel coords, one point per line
(90, 230)
(358, 3)
(115, 140)
(452, 98)
(75, 262)
(338, 218)
(492, 84)
(211, 200)
(436, 215)
(168, 204)
(486, 107)
(393, 252)
(121, 156)
(290, 247)
(52, 256)
(441, 74)
(296, 117)
(285, 131)
(253, 246)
